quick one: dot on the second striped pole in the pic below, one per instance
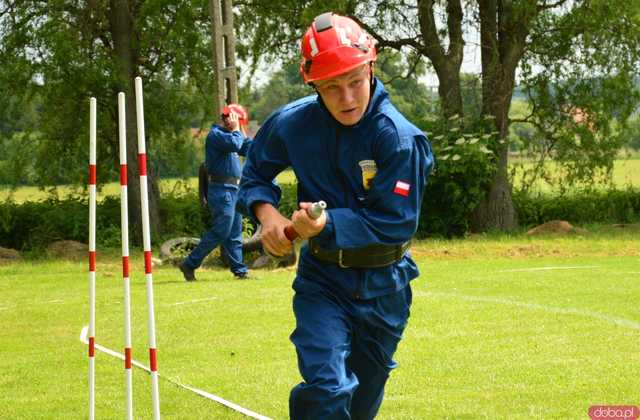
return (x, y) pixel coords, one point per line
(124, 228)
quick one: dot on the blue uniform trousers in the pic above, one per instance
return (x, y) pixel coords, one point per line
(345, 349)
(226, 229)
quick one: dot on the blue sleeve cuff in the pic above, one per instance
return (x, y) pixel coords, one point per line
(257, 195)
(326, 235)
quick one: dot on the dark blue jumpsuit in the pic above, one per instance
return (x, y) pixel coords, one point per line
(221, 159)
(372, 176)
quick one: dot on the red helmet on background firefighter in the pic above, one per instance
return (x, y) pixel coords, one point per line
(239, 110)
(333, 45)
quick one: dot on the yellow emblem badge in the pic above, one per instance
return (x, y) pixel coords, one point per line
(369, 170)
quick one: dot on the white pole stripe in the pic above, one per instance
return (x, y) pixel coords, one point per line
(140, 116)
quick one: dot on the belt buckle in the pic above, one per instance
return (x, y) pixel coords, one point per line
(340, 264)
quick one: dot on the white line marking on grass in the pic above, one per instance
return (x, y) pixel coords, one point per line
(236, 407)
(193, 301)
(622, 322)
(513, 270)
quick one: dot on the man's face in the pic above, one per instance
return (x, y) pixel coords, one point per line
(225, 121)
(347, 96)
(229, 121)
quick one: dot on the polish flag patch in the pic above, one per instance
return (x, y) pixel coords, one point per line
(402, 188)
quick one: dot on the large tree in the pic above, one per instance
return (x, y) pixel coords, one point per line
(68, 51)
(550, 42)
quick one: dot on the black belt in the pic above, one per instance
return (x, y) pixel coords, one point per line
(214, 179)
(372, 256)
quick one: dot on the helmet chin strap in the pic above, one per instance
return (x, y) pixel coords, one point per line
(371, 78)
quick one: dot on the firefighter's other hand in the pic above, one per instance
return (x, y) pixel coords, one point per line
(273, 223)
(305, 225)
(231, 122)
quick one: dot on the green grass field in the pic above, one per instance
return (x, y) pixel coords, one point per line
(501, 327)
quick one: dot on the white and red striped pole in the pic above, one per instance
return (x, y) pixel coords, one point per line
(124, 228)
(146, 240)
(92, 254)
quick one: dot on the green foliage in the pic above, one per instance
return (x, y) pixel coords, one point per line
(580, 122)
(465, 166)
(284, 86)
(633, 133)
(16, 160)
(289, 201)
(410, 96)
(68, 54)
(33, 225)
(272, 30)
(182, 215)
(581, 125)
(581, 207)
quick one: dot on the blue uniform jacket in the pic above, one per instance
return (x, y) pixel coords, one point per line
(221, 152)
(372, 176)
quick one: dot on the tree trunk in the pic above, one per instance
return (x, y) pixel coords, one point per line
(447, 62)
(449, 91)
(126, 57)
(496, 210)
(503, 32)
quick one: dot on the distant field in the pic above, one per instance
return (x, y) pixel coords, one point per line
(626, 172)
(501, 327)
(23, 194)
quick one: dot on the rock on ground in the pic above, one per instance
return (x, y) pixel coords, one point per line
(68, 249)
(557, 227)
(9, 255)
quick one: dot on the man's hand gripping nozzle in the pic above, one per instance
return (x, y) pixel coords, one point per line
(314, 212)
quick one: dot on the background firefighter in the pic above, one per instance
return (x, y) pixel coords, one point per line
(224, 143)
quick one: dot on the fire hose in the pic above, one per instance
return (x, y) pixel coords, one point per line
(314, 212)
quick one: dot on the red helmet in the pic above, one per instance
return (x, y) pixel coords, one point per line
(333, 45)
(239, 110)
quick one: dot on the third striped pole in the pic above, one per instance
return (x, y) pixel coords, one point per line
(92, 254)
(146, 239)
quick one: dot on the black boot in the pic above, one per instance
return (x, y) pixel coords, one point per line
(187, 272)
(243, 276)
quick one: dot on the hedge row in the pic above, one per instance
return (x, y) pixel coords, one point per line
(608, 206)
(33, 225)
